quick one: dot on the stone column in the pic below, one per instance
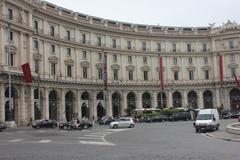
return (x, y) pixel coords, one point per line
(30, 19)
(154, 100)
(22, 114)
(2, 103)
(94, 109)
(185, 98)
(216, 98)
(109, 105)
(227, 99)
(79, 110)
(124, 106)
(31, 103)
(91, 107)
(215, 67)
(139, 100)
(200, 99)
(62, 110)
(170, 100)
(21, 50)
(2, 48)
(30, 54)
(46, 104)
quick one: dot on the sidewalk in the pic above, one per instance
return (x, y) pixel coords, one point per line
(224, 135)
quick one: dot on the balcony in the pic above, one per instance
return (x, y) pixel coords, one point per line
(13, 69)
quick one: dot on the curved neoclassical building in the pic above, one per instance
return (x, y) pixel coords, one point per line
(74, 51)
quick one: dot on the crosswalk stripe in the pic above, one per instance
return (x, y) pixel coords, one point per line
(97, 143)
(16, 140)
(44, 141)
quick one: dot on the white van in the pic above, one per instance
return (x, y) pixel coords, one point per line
(207, 119)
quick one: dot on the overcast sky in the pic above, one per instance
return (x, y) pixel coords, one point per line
(162, 12)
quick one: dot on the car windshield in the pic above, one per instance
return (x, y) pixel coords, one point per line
(204, 117)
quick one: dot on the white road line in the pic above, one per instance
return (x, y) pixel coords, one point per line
(15, 140)
(100, 134)
(90, 135)
(101, 138)
(44, 141)
(97, 143)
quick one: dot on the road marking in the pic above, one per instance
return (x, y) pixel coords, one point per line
(91, 135)
(42, 131)
(15, 140)
(44, 141)
(97, 143)
(100, 134)
(90, 138)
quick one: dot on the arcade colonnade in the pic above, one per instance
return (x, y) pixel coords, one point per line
(65, 104)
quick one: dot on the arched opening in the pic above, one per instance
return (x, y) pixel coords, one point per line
(177, 99)
(192, 100)
(53, 105)
(146, 100)
(131, 103)
(11, 110)
(162, 102)
(207, 99)
(235, 99)
(100, 107)
(38, 109)
(69, 104)
(85, 109)
(116, 104)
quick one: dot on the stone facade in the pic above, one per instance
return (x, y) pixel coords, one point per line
(70, 48)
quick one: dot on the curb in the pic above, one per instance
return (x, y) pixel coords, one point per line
(222, 138)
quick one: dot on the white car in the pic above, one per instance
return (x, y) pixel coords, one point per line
(122, 122)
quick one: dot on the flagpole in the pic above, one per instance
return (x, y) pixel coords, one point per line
(9, 69)
(38, 72)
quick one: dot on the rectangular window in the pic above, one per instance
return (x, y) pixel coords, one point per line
(36, 25)
(114, 43)
(144, 48)
(159, 48)
(36, 66)
(114, 58)
(53, 68)
(69, 70)
(206, 74)
(83, 38)
(68, 35)
(129, 59)
(233, 72)
(99, 56)
(174, 47)
(85, 75)
(190, 60)
(205, 60)
(191, 76)
(52, 31)
(99, 41)
(10, 14)
(35, 45)
(232, 58)
(189, 48)
(129, 45)
(130, 75)
(145, 75)
(84, 54)
(53, 48)
(11, 59)
(115, 74)
(175, 75)
(68, 51)
(100, 73)
(204, 47)
(231, 46)
(145, 60)
(174, 60)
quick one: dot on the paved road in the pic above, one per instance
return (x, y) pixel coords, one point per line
(157, 141)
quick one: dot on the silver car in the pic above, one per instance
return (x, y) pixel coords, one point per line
(122, 122)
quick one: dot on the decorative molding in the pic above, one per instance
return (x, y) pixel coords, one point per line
(115, 66)
(145, 68)
(99, 65)
(206, 68)
(53, 59)
(130, 67)
(191, 68)
(84, 64)
(233, 65)
(158, 69)
(69, 62)
(175, 68)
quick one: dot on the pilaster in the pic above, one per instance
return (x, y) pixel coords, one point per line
(139, 100)
(62, 109)
(154, 100)
(2, 103)
(109, 106)
(22, 107)
(217, 98)
(200, 99)
(185, 98)
(170, 100)
(46, 104)
(124, 108)
(94, 107)
(32, 115)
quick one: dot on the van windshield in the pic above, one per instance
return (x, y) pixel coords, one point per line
(204, 117)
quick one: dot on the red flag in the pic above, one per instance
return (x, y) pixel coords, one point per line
(105, 71)
(221, 69)
(161, 72)
(27, 73)
(236, 79)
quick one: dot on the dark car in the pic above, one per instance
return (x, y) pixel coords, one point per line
(85, 124)
(70, 125)
(157, 118)
(231, 115)
(106, 120)
(45, 123)
(180, 116)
